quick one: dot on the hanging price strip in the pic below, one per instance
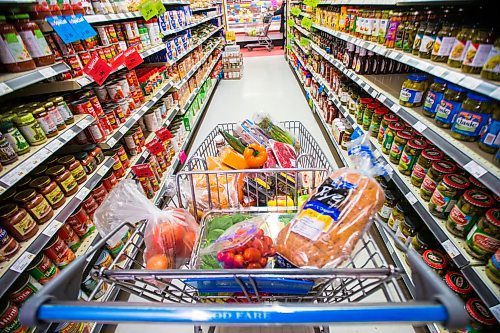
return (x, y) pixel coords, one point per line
(306, 23)
(97, 69)
(160, 8)
(63, 29)
(132, 58)
(148, 9)
(295, 11)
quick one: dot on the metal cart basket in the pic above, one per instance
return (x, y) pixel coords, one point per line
(338, 295)
(263, 39)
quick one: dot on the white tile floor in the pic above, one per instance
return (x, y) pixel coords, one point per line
(268, 85)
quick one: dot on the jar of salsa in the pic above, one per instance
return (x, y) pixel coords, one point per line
(484, 237)
(474, 114)
(465, 213)
(459, 284)
(34, 40)
(388, 118)
(481, 318)
(63, 109)
(434, 97)
(412, 91)
(436, 260)
(490, 135)
(376, 120)
(35, 204)
(16, 139)
(389, 203)
(398, 145)
(50, 190)
(42, 269)
(45, 122)
(30, 128)
(64, 179)
(424, 162)
(74, 167)
(410, 154)
(493, 267)
(57, 118)
(87, 161)
(96, 153)
(8, 245)
(435, 174)
(449, 105)
(449, 189)
(18, 222)
(58, 252)
(389, 135)
(15, 57)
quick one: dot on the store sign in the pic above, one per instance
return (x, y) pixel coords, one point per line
(132, 58)
(81, 26)
(118, 60)
(148, 9)
(154, 147)
(163, 134)
(160, 8)
(306, 23)
(63, 29)
(97, 69)
(295, 11)
(304, 42)
(142, 170)
(290, 23)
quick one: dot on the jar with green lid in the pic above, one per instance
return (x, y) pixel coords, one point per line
(16, 139)
(436, 260)
(389, 203)
(459, 284)
(474, 114)
(397, 216)
(405, 232)
(490, 135)
(477, 52)
(493, 267)
(444, 42)
(412, 91)
(418, 37)
(465, 213)
(45, 122)
(460, 44)
(376, 120)
(421, 242)
(484, 237)
(435, 174)
(7, 153)
(424, 162)
(491, 70)
(398, 145)
(449, 105)
(389, 135)
(447, 192)
(367, 115)
(363, 103)
(434, 97)
(481, 319)
(353, 100)
(30, 128)
(410, 155)
(63, 109)
(427, 43)
(388, 118)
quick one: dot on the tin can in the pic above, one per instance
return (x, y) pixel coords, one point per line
(23, 288)
(60, 253)
(115, 91)
(137, 142)
(118, 169)
(131, 105)
(89, 285)
(119, 31)
(138, 97)
(69, 236)
(108, 53)
(130, 143)
(125, 106)
(96, 105)
(140, 136)
(104, 260)
(132, 79)
(84, 57)
(105, 125)
(90, 206)
(125, 86)
(74, 63)
(81, 223)
(103, 34)
(95, 132)
(122, 155)
(147, 187)
(110, 29)
(109, 181)
(42, 269)
(100, 52)
(102, 94)
(72, 327)
(99, 193)
(118, 111)
(112, 119)
(9, 318)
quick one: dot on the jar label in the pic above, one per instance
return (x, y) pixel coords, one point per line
(7, 153)
(382, 27)
(367, 119)
(442, 202)
(418, 41)
(54, 196)
(406, 161)
(393, 223)
(387, 143)
(419, 172)
(21, 295)
(469, 123)
(60, 254)
(78, 172)
(35, 43)
(25, 225)
(385, 211)
(47, 125)
(33, 133)
(492, 64)
(402, 237)
(477, 54)
(491, 136)
(426, 44)
(429, 184)
(432, 101)
(9, 320)
(410, 95)
(12, 49)
(55, 116)
(460, 219)
(458, 50)
(17, 140)
(69, 184)
(442, 46)
(396, 150)
(477, 238)
(41, 209)
(447, 110)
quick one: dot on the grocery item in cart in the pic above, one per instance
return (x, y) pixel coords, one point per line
(274, 131)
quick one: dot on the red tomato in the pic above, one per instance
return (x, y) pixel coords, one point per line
(263, 262)
(254, 265)
(229, 259)
(241, 249)
(267, 241)
(251, 254)
(258, 244)
(220, 256)
(238, 261)
(259, 233)
(157, 262)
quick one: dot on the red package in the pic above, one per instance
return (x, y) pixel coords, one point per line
(284, 153)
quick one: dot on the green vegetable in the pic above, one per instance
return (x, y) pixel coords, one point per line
(286, 218)
(214, 234)
(221, 222)
(233, 142)
(276, 132)
(209, 262)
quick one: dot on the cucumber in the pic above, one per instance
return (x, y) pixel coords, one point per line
(233, 142)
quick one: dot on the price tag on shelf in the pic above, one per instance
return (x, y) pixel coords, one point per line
(4, 88)
(54, 145)
(84, 123)
(12, 177)
(82, 194)
(437, 71)
(376, 153)
(474, 169)
(52, 228)
(111, 142)
(382, 98)
(374, 93)
(452, 76)
(395, 108)
(450, 248)
(495, 310)
(36, 158)
(470, 82)
(412, 199)
(22, 262)
(83, 81)
(47, 72)
(419, 126)
(68, 135)
(123, 129)
(182, 157)
(102, 170)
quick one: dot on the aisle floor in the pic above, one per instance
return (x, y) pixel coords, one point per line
(268, 85)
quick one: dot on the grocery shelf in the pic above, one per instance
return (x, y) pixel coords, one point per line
(206, 9)
(470, 81)
(201, 41)
(10, 82)
(10, 270)
(192, 25)
(117, 134)
(487, 290)
(111, 17)
(12, 173)
(465, 154)
(305, 14)
(365, 2)
(302, 30)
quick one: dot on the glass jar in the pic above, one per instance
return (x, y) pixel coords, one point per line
(363, 104)
(389, 135)
(481, 318)
(397, 216)
(57, 118)
(428, 40)
(35, 204)
(436, 260)
(418, 37)
(477, 52)
(30, 128)
(420, 242)
(50, 190)
(14, 56)
(447, 192)
(87, 161)
(8, 245)
(17, 222)
(353, 101)
(388, 118)
(410, 155)
(367, 115)
(376, 120)
(449, 105)
(459, 47)
(476, 184)
(465, 213)
(346, 137)
(493, 268)
(474, 114)
(74, 167)
(16, 139)
(64, 179)
(7, 153)
(484, 237)
(399, 144)
(96, 153)
(490, 136)
(389, 203)
(405, 232)
(444, 42)
(63, 109)
(412, 91)
(39, 171)
(434, 97)
(434, 176)
(23, 183)
(45, 122)
(459, 284)
(491, 70)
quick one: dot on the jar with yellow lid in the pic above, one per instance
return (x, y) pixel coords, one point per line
(63, 109)
(484, 237)
(388, 118)
(16, 139)
(30, 128)
(435, 174)
(412, 91)
(389, 135)
(55, 115)
(474, 114)
(447, 192)
(45, 122)
(434, 97)
(410, 155)
(465, 213)
(399, 144)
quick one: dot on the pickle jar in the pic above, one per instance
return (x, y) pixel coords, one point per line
(388, 118)
(459, 284)
(476, 184)
(490, 136)
(465, 213)
(482, 320)
(447, 192)
(484, 237)
(405, 232)
(410, 155)
(449, 105)
(362, 105)
(367, 115)
(434, 97)
(474, 114)
(50, 190)
(436, 260)
(35, 204)
(459, 47)
(493, 267)
(389, 203)
(397, 216)
(427, 43)
(64, 179)
(477, 51)
(444, 42)
(389, 135)
(412, 91)
(491, 70)
(376, 120)
(353, 101)
(30, 128)
(435, 174)
(421, 242)
(398, 145)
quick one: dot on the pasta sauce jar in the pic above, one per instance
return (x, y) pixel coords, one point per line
(22, 289)
(9, 318)
(69, 236)
(64, 179)
(81, 223)
(18, 222)
(35, 204)
(50, 190)
(8, 245)
(74, 167)
(15, 57)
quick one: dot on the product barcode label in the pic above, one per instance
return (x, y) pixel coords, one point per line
(419, 126)
(48, 72)
(102, 170)
(450, 248)
(36, 158)
(111, 142)
(495, 310)
(412, 199)
(54, 145)
(4, 88)
(395, 108)
(68, 135)
(474, 169)
(82, 194)
(52, 228)
(22, 262)
(83, 81)
(123, 129)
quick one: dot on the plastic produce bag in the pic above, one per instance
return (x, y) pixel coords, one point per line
(274, 131)
(325, 231)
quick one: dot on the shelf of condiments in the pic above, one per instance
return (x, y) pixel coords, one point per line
(459, 37)
(468, 115)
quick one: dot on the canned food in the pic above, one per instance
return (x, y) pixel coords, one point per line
(122, 155)
(110, 181)
(99, 193)
(108, 54)
(69, 236)
(74, 63)
(96, 105)
(22, 289)
(118, 169)
(90, 206)
(111, 33)
(103, 34)
(72, 327)
(104, 260)
(81, 223)
(105, 125)
(115, 249)
(118, 111)
(102, 94)
(9, 318)
(95, 132)
(89, 284)
(60, 253)
(115, 92)
(125, 87)
(125, 106)
(84, 57)
(42, 269)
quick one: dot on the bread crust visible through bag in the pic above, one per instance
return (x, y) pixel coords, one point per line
(335, 245)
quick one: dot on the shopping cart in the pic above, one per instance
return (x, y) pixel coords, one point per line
(236, 296)
(263, 39)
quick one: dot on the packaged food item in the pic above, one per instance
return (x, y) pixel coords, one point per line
(7, 153)
(482, 320)
(14, 57)
(406, 231)
(447, 192)
(490, 134)
(424, 162)
(459, 284)
(81, 223)
(23, 288)
(9, 315)
(17, 222)
(477, 52)
(69, 236)
(30, 128)
(420, 242)
(484, 237)
(491, 70)
(493, 267)
(434, 176)
(64, 179)
(388, 118)
(412, 91)
(284, 153)
(390, 202)
(474, 114)
(50, 190)
(275, 131)
(35, 204)
(14, 136)
(436, 260)
(233, 159)
(398, 145)
(8, 245)
(74, 167)
(449, 105)
(434, 97)
(397, 216)
(59, 252)
(410, 155)
(42, 269)
(460, 46)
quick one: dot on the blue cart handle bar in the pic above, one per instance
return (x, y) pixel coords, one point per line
(218, 314)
